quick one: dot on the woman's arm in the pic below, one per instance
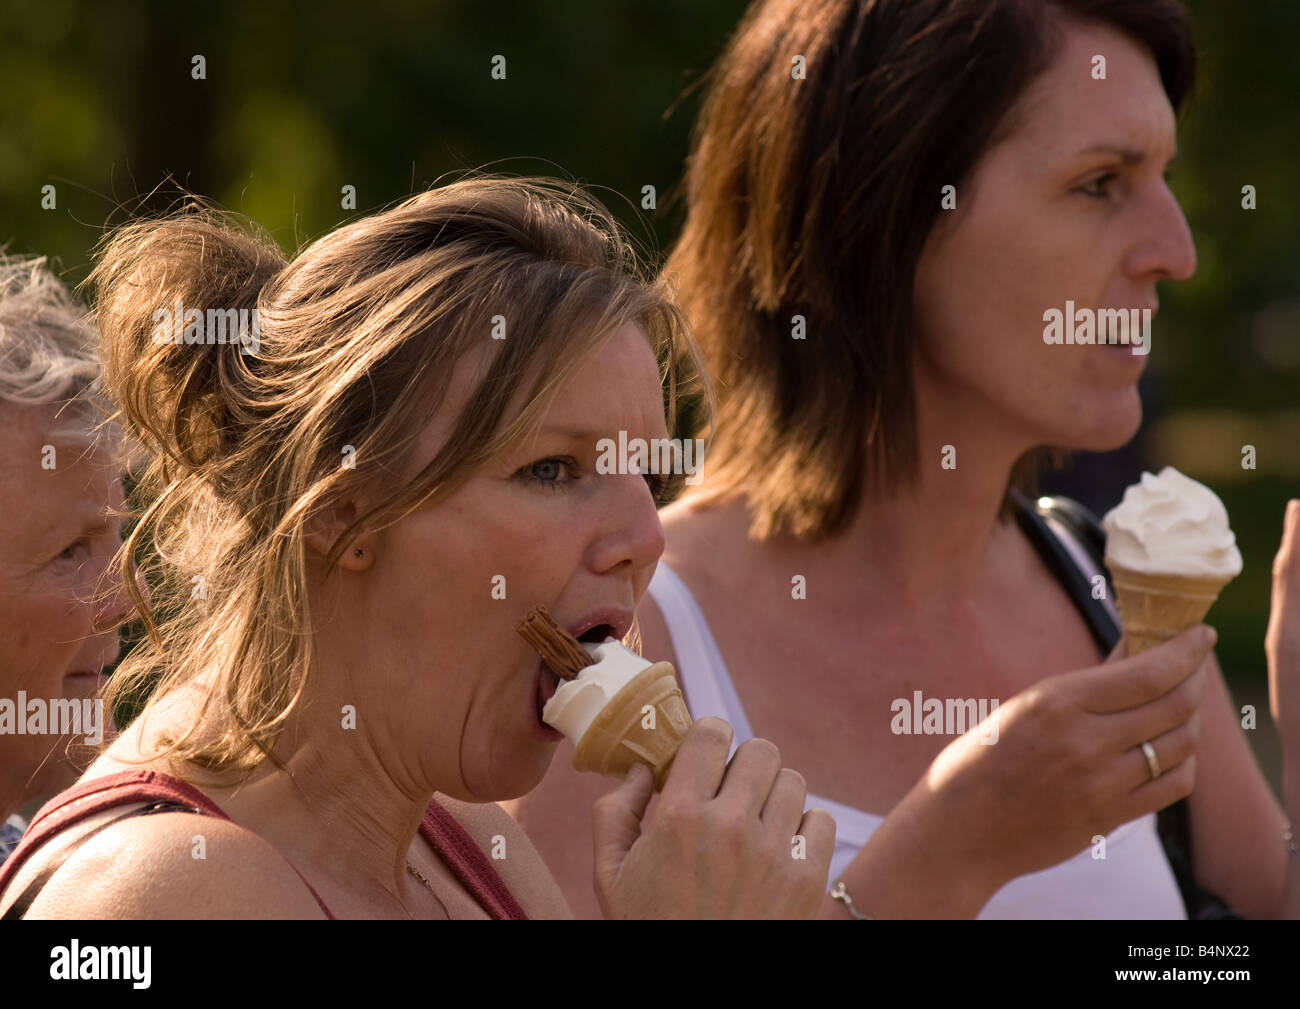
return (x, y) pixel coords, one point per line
(1236, 823)
(1065, 769)
(907, 869)
(1282, 646)
(1237, 843)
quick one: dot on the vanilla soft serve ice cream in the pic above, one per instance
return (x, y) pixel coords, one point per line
(1170, 524)
(1170, 552)
(619, 711)
(577, 702)
(618, 708)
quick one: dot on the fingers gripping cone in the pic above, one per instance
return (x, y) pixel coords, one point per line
(645, 721)
(1155, 607)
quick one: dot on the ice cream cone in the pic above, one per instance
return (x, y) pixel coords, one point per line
(1155, 607)
(618, 737)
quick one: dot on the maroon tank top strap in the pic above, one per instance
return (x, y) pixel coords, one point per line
(456, 848)
(94, 796)
(97, 794)
(119, 789)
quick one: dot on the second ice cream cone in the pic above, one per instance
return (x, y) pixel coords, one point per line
(621, 734)
(1155, 607)
(1170, 552)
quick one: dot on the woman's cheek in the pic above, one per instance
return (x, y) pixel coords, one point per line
(536, 523)
(54, 630)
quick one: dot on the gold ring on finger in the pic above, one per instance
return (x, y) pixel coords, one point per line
(1153, 765)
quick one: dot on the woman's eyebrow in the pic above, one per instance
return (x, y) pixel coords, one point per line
(1128, 155)
(84, 525)
(576, 433)
(590, 436)
(102, 525)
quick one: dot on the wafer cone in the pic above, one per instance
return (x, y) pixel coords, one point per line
(1155, 607)
(616, 738)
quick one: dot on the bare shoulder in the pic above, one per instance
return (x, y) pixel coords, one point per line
(513, 856)
(709, 550)
(693, 532)
(164, 866)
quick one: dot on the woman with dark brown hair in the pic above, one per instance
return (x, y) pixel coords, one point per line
(884, 198)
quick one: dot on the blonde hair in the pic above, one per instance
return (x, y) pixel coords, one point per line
(358, 337)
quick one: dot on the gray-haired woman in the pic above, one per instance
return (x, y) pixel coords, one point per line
(60, 496)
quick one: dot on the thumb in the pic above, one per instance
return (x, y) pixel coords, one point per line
(616, 821)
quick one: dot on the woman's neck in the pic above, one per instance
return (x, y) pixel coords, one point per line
(934, 543)
(332, 810)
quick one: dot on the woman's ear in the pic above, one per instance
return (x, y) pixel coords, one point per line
(323, 532)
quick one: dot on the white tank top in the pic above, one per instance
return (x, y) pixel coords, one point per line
(1133, 881)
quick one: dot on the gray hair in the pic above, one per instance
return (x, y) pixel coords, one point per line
(47, 345)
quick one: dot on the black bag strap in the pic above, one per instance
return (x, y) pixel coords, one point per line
(20, 906)
(1084, 529)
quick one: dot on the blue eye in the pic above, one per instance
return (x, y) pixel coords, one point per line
(546, 473)
(547, 470)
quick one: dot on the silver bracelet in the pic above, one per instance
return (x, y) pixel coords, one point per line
(1289, 838)
(839, 892)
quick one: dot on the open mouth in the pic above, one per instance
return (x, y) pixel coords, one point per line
(595, 635)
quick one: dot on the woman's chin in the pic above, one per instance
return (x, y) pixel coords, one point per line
(1101, 427)
(538, 771)
(524, 774)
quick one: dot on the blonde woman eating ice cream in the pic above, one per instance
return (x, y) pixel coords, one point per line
(372, 497)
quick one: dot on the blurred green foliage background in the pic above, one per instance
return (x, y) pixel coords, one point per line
(98, 100)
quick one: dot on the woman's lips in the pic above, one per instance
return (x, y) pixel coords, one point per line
(86, 678)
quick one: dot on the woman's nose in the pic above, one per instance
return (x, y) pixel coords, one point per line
(113, 606)
(1169, 251)
(635, 536)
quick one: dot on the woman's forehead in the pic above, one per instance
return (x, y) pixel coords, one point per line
(55, 479)
(1071, 106)
(617, 383)
(611, 383)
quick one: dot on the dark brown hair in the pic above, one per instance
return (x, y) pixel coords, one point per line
(816, 200)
